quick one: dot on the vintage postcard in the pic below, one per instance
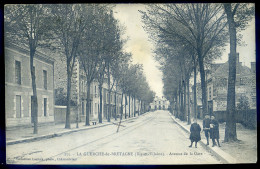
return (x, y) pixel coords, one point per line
(130, 84)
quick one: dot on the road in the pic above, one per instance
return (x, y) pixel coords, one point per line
(152, 138)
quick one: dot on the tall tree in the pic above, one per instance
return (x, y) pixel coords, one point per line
(116, 44)
(100, 79)
(28, 25)
(118, 71)
(237, 17)
(122, 78)
(92, 49)
(69, 25)
(199, 25)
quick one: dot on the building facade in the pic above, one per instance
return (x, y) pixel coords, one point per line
(160, 103)
(217, 85)
(18, 86)
(79, 95)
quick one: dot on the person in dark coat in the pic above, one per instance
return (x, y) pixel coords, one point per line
(214, 131)
(195, 133)
(206, 127)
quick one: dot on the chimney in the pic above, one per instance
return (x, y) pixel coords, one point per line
(253, 67)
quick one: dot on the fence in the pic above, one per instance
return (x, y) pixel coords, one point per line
(246, 117)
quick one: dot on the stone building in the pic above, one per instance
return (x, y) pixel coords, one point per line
(160, 103)
(18, 90)
(79, 95)
(217, 82)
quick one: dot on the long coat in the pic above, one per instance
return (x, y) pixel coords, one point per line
(195, 132)
(214, 132)
(206, 123)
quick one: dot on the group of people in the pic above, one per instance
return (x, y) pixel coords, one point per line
(210, 128)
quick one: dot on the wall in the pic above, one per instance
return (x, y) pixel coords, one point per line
(24, 89)
(247, 118)
(60, 114)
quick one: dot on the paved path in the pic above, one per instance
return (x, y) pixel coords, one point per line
(149, 139)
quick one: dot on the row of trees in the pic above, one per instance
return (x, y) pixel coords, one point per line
(88, 32)
(188, 38)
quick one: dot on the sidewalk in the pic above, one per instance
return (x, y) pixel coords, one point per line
(244, 151)
(25, 134)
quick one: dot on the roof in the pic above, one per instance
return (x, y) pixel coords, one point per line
(26, 51)
(223, 70)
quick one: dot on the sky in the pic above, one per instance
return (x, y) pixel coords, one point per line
(142, 49)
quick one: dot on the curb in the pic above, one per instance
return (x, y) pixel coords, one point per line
(57, 134)
(220, 154)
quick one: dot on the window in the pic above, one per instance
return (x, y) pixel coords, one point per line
(96, 108)
(45, 106)
(242, 81)
(45, 79)
(18, 106)
(17, 72)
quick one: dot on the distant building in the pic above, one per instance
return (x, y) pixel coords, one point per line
(18, 86)
(160, 103)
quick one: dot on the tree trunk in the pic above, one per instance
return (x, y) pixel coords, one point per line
(203, 85)
(121, 108)
(100, 104)
(188, 99)
(115, 107)
(69, 74)
(134, 106)
(230, 131)
(109, 94)
(182, 105)
(129, 106)
(121, 112)
(179, 102)
(125, 105)
(195, 90)
(34, 98)
(184, 101)
(175, 104)
(88, 105)
(141, 108)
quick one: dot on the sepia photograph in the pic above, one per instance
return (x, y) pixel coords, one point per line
(130, 83)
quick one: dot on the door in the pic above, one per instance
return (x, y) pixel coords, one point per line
(18, 106)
